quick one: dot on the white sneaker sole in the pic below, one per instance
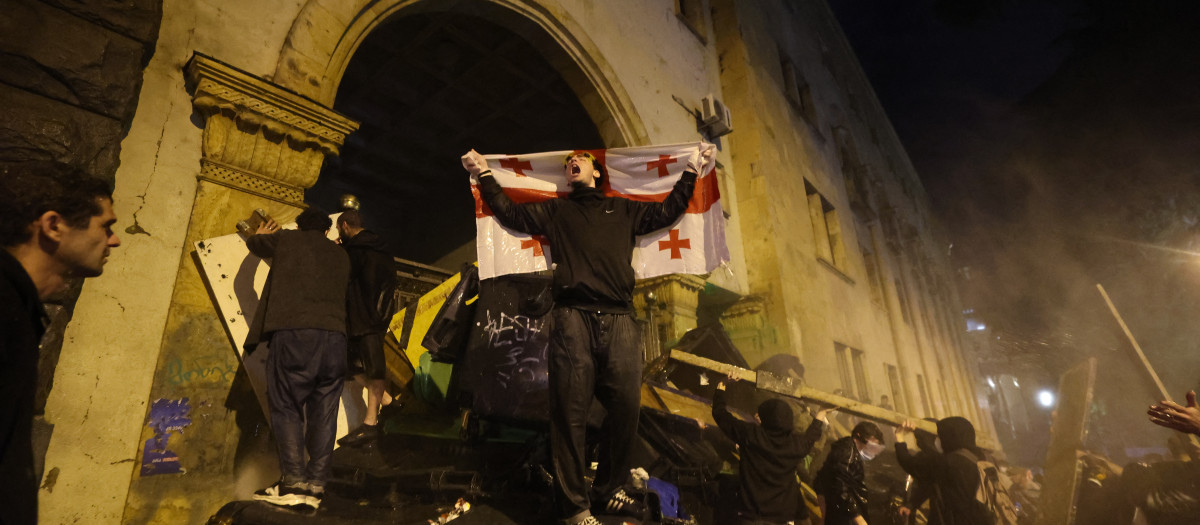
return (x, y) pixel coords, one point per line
(285, 500)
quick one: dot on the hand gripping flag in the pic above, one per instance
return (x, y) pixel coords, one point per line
(693, 244)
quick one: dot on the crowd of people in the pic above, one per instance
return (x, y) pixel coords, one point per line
(325, 309)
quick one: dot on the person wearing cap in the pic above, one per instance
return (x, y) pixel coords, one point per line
(595, 348)
(770, 453)
(841, 482)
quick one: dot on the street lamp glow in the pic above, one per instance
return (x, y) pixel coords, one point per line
(1045, 398)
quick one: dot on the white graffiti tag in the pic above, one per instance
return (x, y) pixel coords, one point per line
(509, 329)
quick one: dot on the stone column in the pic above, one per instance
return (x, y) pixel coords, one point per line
(746, 323)
(262, 147)
(676, 299)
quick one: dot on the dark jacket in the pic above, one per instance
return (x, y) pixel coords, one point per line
(767, 472)
(918, 491)
(22, 323)
(842, 480)
(952, 474)
(372, 280)
(591, 238)
(306, 287)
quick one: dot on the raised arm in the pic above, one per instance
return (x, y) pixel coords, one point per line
(653, 216)
(734, 428)
(531, 218)
(813, 434)
(919, 466)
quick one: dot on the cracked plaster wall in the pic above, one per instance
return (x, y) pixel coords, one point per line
(112, 345)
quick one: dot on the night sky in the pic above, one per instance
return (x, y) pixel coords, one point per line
(1059, 141)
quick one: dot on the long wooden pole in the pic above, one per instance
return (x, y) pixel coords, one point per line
(1140, 356)
(792, 388)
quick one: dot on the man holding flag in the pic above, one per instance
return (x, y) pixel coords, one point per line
(594, 344)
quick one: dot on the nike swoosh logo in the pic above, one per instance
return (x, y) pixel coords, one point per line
(609, 211)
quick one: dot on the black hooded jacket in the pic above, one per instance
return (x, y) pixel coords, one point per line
(953, 474)
(591, 238)
(770, 454)
(842, 480)
(372, 280)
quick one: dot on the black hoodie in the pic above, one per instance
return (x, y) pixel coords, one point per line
(954, 475)
(372, 275)
(591, 238)
(770, 454)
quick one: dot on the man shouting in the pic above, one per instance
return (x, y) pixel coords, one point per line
(594, 343)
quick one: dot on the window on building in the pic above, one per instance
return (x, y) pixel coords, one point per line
(923, 389)
(866, 244)
(827, 230)
(949, 400)
(853, 372)
(902, 298)
(691, 12)
(898, 399)
(797, 90)
(860, 375)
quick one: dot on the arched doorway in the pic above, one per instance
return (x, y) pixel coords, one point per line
(427, 85)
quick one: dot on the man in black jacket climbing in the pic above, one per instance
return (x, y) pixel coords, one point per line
(369, 303)
(770, 453)
(594, 344)
(302, 313)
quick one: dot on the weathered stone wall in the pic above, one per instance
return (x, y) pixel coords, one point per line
(114, 346)
(70, 72)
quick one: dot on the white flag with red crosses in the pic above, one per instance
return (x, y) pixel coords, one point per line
(693, 244)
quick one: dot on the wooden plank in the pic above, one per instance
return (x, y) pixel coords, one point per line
(1140, 357)
(792, 388)
(1060, 491)
(1138, 354)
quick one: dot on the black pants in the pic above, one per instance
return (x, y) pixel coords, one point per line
(592, 355)
(366, 356)
(305, 371)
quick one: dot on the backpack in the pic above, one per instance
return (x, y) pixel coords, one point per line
(992, 496)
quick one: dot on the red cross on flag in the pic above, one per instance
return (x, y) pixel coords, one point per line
(694, 244)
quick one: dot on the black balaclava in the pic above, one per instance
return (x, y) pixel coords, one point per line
(955, 433)
(776, 416)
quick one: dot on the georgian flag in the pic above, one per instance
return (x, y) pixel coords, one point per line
(693, 244)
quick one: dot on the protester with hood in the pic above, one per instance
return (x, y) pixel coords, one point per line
(841, 482)
(953, 473)
(770, 453)
(369, 305)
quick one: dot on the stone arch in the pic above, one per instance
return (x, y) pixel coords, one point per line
(326, 34)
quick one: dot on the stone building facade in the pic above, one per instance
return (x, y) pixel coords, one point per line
(835, 258)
